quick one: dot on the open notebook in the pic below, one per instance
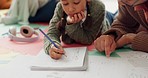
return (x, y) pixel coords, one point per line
(76, 59)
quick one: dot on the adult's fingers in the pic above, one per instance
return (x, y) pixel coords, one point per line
(109, 45)
(113, 46)
(126, 39)
(99, 43)
(102, 45)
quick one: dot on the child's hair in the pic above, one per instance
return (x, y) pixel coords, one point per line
(62, 23)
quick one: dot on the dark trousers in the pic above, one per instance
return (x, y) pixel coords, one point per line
(45, 13)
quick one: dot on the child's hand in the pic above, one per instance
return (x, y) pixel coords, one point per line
(75, 18)
(56, 53)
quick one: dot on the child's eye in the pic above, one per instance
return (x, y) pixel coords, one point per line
(65, 3)
(77, 2)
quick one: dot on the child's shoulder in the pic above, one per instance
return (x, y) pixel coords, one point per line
(97, 4)
(97, 8)
(59, 7)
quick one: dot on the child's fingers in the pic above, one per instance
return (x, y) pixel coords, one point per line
(72, 19)
(54, 55)
(61, 49)
(75, 18)
(58, 50)
(83, 14)
(79, 17)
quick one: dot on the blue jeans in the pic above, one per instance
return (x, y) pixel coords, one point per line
(45, 13)
(110, 16)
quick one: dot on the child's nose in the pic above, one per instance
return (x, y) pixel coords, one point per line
(71, 9)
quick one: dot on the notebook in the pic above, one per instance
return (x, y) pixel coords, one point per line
(76, 59)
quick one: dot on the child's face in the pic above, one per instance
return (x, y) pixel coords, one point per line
(72, 7)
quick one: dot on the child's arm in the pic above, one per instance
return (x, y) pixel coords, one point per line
(53, 32)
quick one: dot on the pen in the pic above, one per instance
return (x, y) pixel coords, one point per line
(51, 42)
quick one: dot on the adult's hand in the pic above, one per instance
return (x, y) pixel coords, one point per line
(125, 39)
(105, 43)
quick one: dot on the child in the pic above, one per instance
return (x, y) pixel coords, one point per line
(25, 11)
(76, 21)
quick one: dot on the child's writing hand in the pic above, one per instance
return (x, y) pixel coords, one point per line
(75, 18)
(56, 53)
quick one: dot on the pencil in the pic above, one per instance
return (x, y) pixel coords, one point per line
(51, 42)
(48, 38)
